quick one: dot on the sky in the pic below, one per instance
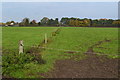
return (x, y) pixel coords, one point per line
(37, 10)
(60, 0)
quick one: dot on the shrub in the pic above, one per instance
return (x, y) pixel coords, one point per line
(12, 62)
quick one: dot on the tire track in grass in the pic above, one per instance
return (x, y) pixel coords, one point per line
(90, 49)
(91, 67)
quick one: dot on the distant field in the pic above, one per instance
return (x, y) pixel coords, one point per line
(74, 39)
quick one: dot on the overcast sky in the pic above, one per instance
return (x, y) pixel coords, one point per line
(37, 10)
(60, 0)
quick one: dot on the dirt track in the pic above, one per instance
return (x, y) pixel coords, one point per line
(91, 67)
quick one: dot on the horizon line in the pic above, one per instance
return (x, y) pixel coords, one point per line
(64, 17)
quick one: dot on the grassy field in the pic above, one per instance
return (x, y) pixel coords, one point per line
(30, 36)
(74, 39)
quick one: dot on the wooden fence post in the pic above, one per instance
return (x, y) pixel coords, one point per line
(45, 38)
(21, 46)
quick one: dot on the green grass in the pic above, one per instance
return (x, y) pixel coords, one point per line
(80, 39)
(30, 35)
(108, 48)
(69, 38)
(0, 47)
(0, 36)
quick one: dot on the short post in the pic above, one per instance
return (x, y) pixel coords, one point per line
(45, 38)
(21, 46)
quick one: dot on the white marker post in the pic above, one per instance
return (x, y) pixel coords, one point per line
(21, 46)
(45, 38)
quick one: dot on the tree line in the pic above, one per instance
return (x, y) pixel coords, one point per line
(66, 22)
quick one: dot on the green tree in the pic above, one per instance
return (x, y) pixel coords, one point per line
(39, 23)
(44, 21)
(64, 21)
(25, 22)
(56, 22)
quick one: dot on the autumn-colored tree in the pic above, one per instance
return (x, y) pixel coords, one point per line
(116, 23)
(76, 23)
(81, 23)
(71, 23)
(87, 22)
